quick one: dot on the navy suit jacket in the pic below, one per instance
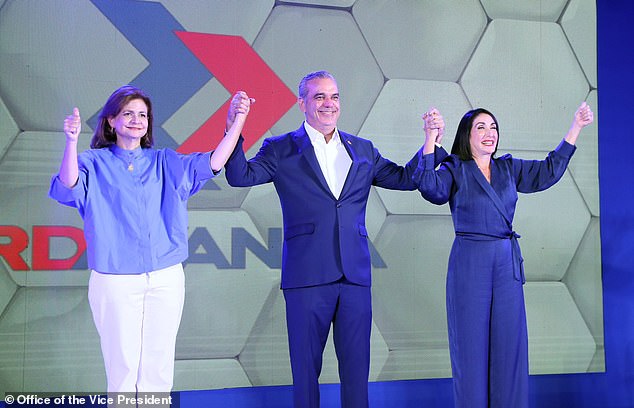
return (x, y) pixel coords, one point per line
(324, 238)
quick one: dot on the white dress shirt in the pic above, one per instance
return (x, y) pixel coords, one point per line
(333, 158)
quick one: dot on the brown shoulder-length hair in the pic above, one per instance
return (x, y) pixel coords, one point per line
(104, 133)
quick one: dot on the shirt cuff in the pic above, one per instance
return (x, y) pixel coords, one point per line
(429, 161)
(60, 192)
(204, 167)
(566, 149)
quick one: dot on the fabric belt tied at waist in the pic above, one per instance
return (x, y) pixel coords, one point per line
(516, 253)
(518, 261)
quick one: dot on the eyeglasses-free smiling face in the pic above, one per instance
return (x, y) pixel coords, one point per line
(321, 105)
(483, 138)
(130, 124)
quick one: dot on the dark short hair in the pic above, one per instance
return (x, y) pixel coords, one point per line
(461, 144)
(303, 84)
(104, 134)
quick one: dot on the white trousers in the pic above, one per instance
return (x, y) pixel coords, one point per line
(137, 317)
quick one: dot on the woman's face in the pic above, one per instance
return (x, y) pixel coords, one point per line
(131, 123)
(483, 137)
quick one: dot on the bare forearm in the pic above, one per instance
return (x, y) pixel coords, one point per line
(429, 146)
(573, 134)
(69, 169)
(434, 126)
(237, 115)
(227, 144)
(583, 117)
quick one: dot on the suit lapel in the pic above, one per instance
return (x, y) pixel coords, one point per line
(306, 150)
(348, 143)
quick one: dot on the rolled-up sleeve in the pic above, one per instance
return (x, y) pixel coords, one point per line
(67, 196)
(198, 170)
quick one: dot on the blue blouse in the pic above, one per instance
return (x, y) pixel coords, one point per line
(134, 205)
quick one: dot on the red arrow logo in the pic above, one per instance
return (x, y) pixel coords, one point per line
(237, 67)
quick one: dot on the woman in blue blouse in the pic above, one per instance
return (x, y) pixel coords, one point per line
(133, 200)
(485, 300)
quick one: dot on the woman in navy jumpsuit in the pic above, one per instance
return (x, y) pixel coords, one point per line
(488, 338)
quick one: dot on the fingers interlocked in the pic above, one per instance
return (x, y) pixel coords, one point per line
(241, 103)
(433, 119)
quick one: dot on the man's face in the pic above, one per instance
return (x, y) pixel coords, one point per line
(321, 104)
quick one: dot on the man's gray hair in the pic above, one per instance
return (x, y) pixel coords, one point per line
(303, 84)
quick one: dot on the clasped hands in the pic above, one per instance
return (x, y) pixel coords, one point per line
(434, 125)
(240, 104)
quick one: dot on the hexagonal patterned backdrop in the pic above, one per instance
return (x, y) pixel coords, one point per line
(530, 62)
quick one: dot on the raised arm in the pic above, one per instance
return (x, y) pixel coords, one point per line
(434, 185)
(391, 176)
(238, 111)
(583, 117)
(69, 168)
(434, 126)
(537, 175)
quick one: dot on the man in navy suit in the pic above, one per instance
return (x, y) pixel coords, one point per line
(323, 178)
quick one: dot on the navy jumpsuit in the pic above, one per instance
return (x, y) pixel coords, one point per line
(488, 338)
